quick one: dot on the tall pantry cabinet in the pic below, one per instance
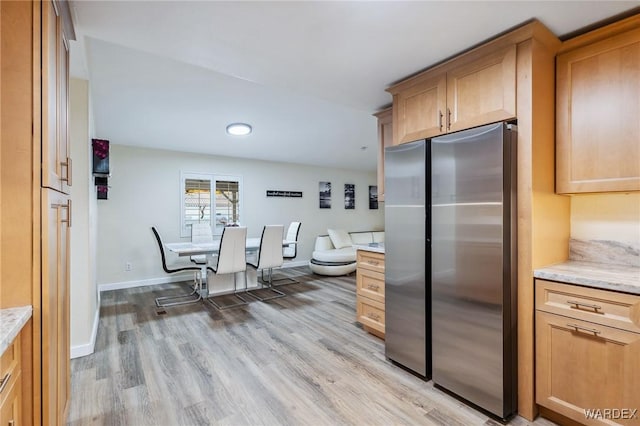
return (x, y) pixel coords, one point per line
(56, 212)
(35, 197)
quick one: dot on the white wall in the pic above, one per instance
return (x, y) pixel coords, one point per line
(145, 191)
(84, 293)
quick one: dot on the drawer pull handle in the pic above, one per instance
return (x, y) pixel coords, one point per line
(373, 287)
(590, 330)
(577, 305)
(373, 262)
(4, 381)
(374, 317)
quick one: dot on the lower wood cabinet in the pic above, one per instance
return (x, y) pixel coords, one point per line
(587, 371)
(11, 385)
(370, 292)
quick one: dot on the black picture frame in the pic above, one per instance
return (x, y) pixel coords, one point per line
(324, 194)
(373, 197)
(349, 196)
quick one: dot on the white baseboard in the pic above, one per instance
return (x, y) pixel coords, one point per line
(143, 283)
(295, 263)
(175, 278)
(89, 348)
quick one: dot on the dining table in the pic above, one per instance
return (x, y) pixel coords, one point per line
(213, 284)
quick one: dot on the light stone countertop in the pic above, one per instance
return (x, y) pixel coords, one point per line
(374, 247)
(11, 322)
(591, 274)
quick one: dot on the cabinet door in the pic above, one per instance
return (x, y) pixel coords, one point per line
(55, 306)
(482, 90)
(10, 409)
(585, 366)
(385, 139)
(56, 170)
(418, 112)
(598, 110)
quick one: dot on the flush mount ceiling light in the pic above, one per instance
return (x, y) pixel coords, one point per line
(238, 129)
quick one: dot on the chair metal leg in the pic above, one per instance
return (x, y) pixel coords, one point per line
(197, 291)
(278, 293)
(235, 294)
(289, 279)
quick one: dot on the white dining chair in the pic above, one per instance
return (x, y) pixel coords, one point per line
(269, 257)
(201, 233)
(290, 252)
(180, 299)
(231, 259)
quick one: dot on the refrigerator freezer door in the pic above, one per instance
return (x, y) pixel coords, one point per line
(469, 269)
(406, 293)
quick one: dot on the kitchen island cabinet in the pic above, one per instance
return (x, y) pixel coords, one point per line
(370, 291)
(598, 110)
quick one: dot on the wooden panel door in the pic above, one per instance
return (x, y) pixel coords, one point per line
(10, 406)
(385, 139)
(56, 221)
(482, 90)
(585, 366)
(418, 111)
(55, 67)
(598, 116)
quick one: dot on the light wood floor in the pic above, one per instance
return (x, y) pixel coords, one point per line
(299, 360)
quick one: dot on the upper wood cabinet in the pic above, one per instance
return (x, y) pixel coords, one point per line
(56, 161)
(385, 139)
(474, 89)
(598, 111)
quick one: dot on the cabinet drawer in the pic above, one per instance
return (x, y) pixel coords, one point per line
(370, 313)
(619, 310)
(371, 260)
(9, 368)
(370, 284)
(585, 366)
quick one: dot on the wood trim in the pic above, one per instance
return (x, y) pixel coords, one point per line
(526, 396)
(601, 33)
(557, 418)
(26, 341)
(543, 216)
(36, 166)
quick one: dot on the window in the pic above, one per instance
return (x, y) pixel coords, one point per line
(199, 203)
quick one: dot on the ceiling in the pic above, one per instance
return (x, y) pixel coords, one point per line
(307, 75)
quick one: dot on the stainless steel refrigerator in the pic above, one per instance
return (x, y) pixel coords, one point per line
(473, 266)
(451, 265)
(407, 293)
